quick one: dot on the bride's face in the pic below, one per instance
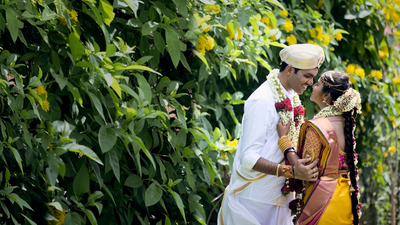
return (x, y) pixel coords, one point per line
(317, 96)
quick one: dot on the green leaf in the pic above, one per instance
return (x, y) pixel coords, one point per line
(145, 87)
(244, 17)
(159, 41)
(129, 91)
(173, 44)
(27, 134)
(56, 205)
(133, 181)
(91, 216)
(56, 61)
(275, 2)
(182, 8)
(12, 23)
(139, 67)
(77, 49)
(47, 14)
(190, 177)
(72, 147)
(111, 49)
(94, 196)
(144, 149)
(152, 195)
(149, 27)
(107, 12)
(81, 184)
(197, 209)
(109, 194)
(179, 203)
(107, 138)
(22, 203)
(97, 104)
(116, 86)
(17, 157)
(272, 17)
(114, 162)
(134, 5)
(29, 220)
(198, 54)
(44, 35)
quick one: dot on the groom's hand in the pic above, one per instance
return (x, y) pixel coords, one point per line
(306, 172)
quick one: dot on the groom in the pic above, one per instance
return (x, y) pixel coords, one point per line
(254, 193)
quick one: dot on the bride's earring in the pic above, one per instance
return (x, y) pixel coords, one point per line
(324, 101)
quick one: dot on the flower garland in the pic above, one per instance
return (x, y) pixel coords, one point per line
(349, 100)
(284, 106)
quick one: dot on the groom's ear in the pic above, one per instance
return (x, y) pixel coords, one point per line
(289, 69)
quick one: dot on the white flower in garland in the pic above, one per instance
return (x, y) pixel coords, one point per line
(284, 108)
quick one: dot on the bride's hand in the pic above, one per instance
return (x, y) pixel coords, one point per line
(283, 130)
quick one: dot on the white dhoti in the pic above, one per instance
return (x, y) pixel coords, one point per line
(240, 208)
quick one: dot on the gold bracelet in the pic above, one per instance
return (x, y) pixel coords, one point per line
(284, 143)
(277, 170)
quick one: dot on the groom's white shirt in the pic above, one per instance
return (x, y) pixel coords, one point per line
(259, 138)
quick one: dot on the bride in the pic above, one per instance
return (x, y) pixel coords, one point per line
(329, 137)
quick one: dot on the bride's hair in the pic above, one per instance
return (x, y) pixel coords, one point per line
(336, 83)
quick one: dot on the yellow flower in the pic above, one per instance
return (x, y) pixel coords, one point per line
(233, 35)
(352, 80)
(214, 9)
(379, 168)
(265, 20)
(210, 43)
(60, 216)
(325, 39)
(319, 32)
(368, 107)
(40, 91)
(377, 74)
(313, 33)
(350, 69)
(375, 87)
(338, 36)
(224, 155)
(395, 94)
(311, 42)
(392, 118)
(385, 154)
(74, 14)
(232, 145)
(288, 26)
(205, 27)
(383, 52)
(283, 13)
(291, 39)
(62, 20)
(46, 105)
(392, 149)
(397, 33)
(319, 4)
(396, 80)
(360, 72)
(332, 49)
(273, 37)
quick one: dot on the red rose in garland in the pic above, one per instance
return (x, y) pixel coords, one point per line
(279, 105)
(299, 111)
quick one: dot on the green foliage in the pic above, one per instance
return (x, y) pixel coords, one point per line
(127, 112)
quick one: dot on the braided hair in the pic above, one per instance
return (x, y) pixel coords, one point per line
(336, 83)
